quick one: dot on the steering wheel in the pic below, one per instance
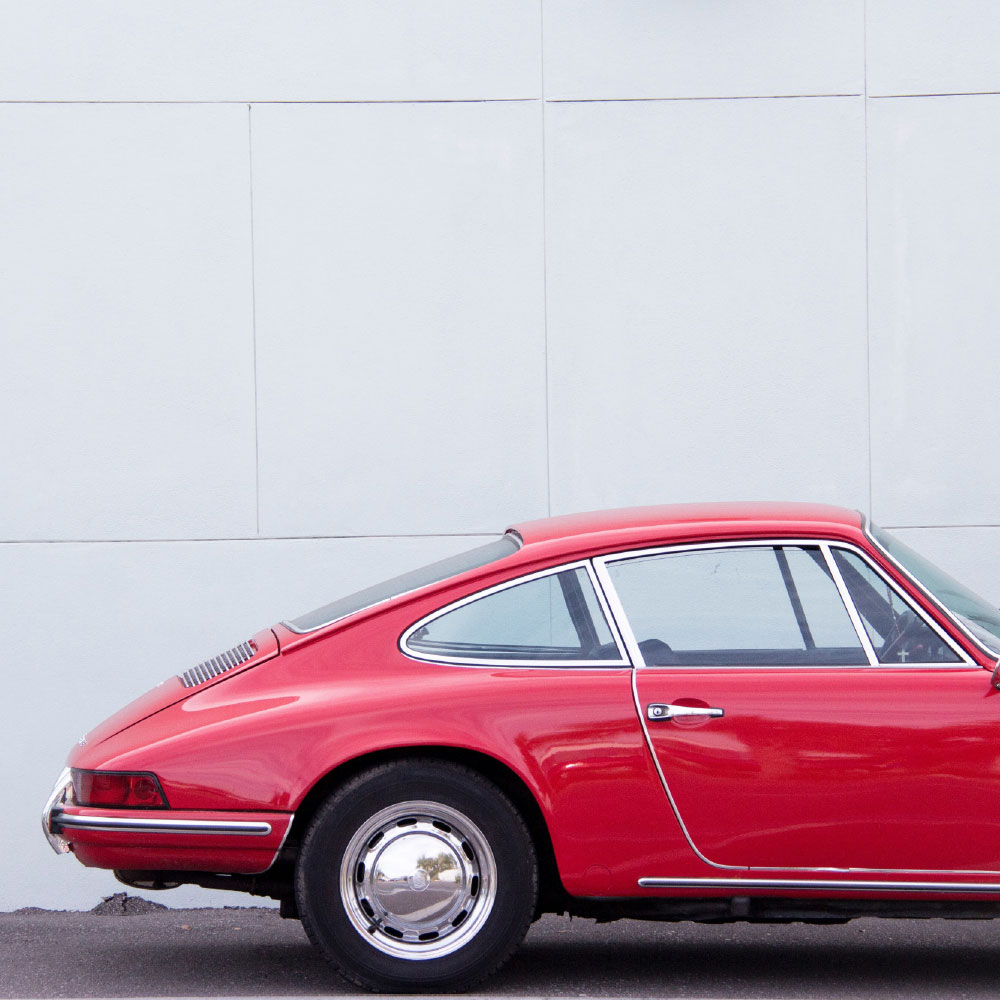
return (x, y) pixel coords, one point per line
(908, 627)
(656, 653)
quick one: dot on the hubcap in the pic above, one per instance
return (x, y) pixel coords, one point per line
(418, 880)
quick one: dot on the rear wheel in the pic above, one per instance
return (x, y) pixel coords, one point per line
(417, 875)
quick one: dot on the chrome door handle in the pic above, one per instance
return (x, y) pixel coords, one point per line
(658, 712)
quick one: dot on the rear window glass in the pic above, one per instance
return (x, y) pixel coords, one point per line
(414, 580)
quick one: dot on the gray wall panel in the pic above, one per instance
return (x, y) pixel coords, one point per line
(399, 317)
(925, 47)
(255, 50)
(934, 220)
(628, 49)
(706, 301)
(125, 311)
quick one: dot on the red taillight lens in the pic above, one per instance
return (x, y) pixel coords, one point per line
(118, 789)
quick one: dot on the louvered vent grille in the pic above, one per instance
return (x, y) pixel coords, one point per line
(218, 665)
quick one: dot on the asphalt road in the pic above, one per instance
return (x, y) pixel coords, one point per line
(253, 952)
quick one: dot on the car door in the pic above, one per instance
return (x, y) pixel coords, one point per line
(804, 715)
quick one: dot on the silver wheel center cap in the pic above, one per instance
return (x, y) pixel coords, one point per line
(419, 880)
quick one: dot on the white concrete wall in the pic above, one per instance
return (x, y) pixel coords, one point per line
(296, 296)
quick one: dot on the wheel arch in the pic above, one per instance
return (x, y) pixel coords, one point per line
(551, 894)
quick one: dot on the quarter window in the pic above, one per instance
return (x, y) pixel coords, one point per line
(550, 618)
(898, 634)
(741, 606)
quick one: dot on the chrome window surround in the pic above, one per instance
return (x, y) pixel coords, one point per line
(584, 564)
(825, 546)
(852, 611)
(917, 585)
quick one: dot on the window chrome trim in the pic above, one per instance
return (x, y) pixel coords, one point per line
(601, 564)
(609, 615)
(622, 626)
(845, 595)
(482, 661)
(128, 824)
(824, 885)
(950, 615)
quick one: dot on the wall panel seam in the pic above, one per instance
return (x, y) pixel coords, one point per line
(940, 93)
(868, 325)
(244, 538)
(248, 101)
(545, 272)
(698, 97)
(501, 100)
(253, 324)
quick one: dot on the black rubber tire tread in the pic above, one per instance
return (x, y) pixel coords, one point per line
(317, 872)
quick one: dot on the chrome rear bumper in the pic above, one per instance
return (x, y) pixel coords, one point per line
(135, 824)
(62, 792)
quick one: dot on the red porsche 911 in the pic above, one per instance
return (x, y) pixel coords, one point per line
(717, 712)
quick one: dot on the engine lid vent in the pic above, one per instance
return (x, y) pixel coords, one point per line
(220, 664)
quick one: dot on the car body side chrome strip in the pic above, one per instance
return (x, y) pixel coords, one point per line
(815, 884)
(128, 824)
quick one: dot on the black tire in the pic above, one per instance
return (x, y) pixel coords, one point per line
(417, 875)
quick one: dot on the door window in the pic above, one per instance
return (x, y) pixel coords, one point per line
(739, 606)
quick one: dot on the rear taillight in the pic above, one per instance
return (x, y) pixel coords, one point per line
(118, 789)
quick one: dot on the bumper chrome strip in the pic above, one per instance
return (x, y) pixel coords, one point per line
(122, 824)
(824, 885)
(61, 791)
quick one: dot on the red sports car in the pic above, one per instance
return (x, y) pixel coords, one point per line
(716, 712)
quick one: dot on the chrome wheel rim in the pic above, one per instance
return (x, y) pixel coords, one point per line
(418, 880)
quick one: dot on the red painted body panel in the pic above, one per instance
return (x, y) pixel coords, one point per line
(263, 739)
(178, 852)
(684, 520)
(172, 690)
(828, 768)
(824, 768)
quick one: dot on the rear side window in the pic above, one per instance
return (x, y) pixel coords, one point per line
(555, 618)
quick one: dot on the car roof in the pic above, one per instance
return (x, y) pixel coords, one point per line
(551, 540)
(673, 522)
